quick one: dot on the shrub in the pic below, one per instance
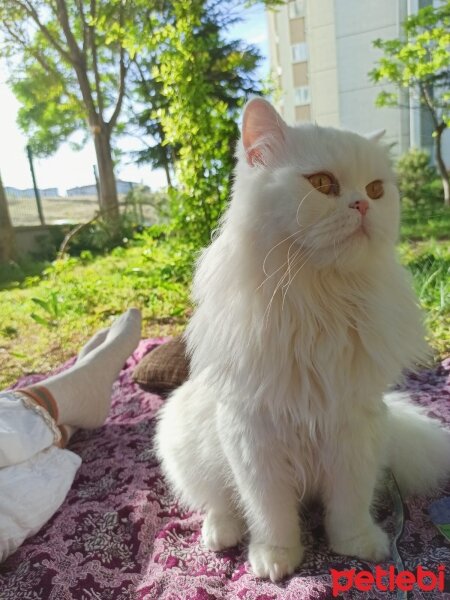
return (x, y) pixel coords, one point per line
(424, 214)
(417, 178)
(12, 274)
(100, 238)
(146, 207)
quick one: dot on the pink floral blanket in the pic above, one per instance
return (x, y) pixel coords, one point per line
(121, 535)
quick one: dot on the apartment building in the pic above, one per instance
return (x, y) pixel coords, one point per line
(321, 52)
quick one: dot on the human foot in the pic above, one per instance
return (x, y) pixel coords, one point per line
(83, 392)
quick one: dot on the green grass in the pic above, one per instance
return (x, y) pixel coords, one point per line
(430, 220)
(46, 318)
(14, 274)
(48, 311)
(429, 263)
(425, 250)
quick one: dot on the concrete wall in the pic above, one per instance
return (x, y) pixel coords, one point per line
(323, 75)
(36, 239)
(357, 24)
(280, 50)
(446, 147)
(340, 35)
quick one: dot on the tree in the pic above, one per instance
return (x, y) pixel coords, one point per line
(199, 81)
(69, 73)
(421, 63)
(196, 82)
(228, 70)
(157, 152)
(7, 238)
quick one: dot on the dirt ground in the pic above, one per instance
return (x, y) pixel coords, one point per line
(24, 211)
(60, 210)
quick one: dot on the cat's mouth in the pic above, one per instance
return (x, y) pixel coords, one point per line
(361, 230)
(358, 236)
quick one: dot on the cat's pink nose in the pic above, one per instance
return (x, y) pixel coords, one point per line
(361, 205)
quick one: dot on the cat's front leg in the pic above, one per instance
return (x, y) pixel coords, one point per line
(349, 488)
(267, 492)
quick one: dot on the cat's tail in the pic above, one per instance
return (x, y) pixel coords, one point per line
(419, 447)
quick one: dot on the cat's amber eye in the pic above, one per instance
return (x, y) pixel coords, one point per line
(375, 189)
(324, 183)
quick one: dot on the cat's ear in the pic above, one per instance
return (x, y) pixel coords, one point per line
(263, 132)
(375, 136)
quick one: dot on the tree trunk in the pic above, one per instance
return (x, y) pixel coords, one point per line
(165, 154)
(441, 166)
(168, 178)
(7, 237)
(109, 203)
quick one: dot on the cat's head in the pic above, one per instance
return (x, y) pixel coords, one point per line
(332, 191)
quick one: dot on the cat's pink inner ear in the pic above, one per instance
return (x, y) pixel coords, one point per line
(262, 130)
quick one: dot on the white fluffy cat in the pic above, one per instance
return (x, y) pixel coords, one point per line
(304, 318)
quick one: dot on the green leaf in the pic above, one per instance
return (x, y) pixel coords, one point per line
(419, 63)
(40, 320)
(43, 304)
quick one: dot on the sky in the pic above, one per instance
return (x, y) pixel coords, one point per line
(67, 168)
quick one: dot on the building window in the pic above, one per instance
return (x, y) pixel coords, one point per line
(296, 9)
(301, 95)
(299, 52)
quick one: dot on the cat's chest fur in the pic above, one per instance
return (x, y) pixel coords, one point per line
(330, 345)
(335, 335)
(326, 340)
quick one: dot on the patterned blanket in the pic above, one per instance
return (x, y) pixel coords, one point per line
(121, 535)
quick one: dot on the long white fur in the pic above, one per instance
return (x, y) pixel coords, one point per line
(301, 324)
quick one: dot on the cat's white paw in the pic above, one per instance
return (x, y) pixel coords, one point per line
(274, 562)
(221, 531)
(372, 543)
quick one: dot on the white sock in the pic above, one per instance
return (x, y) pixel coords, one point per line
(95, 341)
(83, 392)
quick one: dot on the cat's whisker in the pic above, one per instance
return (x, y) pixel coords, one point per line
(304, 198)
(301, 230)
(286, 273)
(300, 205)
(293, 260)
(269, 277)
(289, 258)
(279, 284)
(274, 272)
(276, 246)
(267, 311)
(296, 233)
(287, 286)
(277, 287)
(334, 248)
(289, 249)
(289, 276)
